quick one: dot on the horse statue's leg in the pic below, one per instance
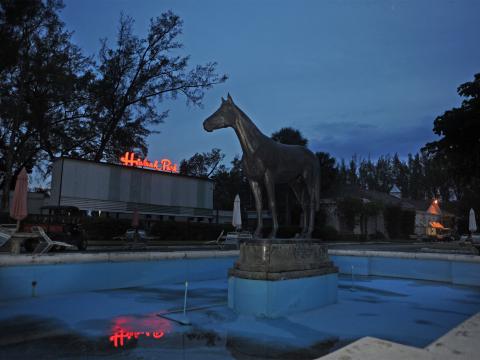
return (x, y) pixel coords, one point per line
(270, 186)
(257, 194)
(299, 191)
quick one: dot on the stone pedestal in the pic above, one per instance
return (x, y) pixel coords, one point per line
(274, 278)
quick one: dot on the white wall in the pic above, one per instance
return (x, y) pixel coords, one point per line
(97, 186)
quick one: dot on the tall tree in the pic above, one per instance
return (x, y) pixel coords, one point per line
(229, 183)
(415, 184)
(290, 136)
(134, 77)
(383, 174)
(400, 174)
(41, 83)
(459, 129)
(367, 174)
(457, 152)
(328, 171)
(352, 174)
(202, 164)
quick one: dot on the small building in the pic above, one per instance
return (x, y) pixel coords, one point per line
(116, 190)
(430, 219)
(395, 191)
(368, 225)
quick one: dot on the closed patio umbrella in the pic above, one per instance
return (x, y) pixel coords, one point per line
(472, 224)
(18, 207)
(237, 216)
(135, 223)
(135, 219)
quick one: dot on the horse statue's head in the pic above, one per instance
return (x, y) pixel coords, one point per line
(223, 117)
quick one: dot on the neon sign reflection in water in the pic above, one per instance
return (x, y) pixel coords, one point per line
(125, 328)
(119, 336)
(166, 165)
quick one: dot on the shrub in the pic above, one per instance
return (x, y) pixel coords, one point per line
(175, 231)
(349, 208)
(326, 233)
(398, 222)
(408, 223)
(284, 232)
(378, 236)
(392, 216)
(105, 228)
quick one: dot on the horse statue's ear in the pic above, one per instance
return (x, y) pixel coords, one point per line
(223, 100)
(229, 98)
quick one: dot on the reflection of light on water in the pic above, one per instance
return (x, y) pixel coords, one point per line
(118, 337)
(125, 328)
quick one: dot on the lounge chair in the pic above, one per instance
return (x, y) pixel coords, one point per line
(6, 233)
(9, 233)
(49, 243)
(218, 241)
(234, 238)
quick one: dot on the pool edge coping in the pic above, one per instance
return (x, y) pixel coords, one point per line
(460, 343)
(406, 255)
(73, 258)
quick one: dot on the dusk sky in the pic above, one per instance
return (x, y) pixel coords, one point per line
(355, 77)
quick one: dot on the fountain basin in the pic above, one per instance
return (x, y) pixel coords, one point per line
(275, 278)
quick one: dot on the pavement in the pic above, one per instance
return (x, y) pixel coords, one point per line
(451, 247)
(460, 343)
(396, 245)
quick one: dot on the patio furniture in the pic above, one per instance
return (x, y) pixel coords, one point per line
(6, 232)
(49, 243)
(236, 237)
(217, 241)
(9, 233)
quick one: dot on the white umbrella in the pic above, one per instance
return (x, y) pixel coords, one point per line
(472, 224)
(237, 216)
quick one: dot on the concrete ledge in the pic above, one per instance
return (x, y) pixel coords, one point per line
(377, 349)
(68, 258)
(454, 269)
(75, 258)
(69, 273)
(461, 343)
(406, 255)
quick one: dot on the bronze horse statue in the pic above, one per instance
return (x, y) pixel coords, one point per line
(269, 162)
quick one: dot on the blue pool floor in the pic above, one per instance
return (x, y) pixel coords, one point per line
(123, 323)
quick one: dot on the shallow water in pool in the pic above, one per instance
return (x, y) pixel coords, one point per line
(124, 323)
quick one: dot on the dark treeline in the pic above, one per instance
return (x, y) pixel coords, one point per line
(57, 101)
(419, 177)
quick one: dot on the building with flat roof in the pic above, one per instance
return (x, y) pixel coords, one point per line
(116, 190)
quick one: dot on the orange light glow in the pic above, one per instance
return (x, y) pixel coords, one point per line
(166, 165)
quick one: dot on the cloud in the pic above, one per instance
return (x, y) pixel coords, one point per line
(344, 126)
(344, 139)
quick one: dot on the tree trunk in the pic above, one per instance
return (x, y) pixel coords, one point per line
(8, 168)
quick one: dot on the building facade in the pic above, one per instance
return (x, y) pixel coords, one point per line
(119, 190)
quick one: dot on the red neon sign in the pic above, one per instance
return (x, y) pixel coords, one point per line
(128, 159)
